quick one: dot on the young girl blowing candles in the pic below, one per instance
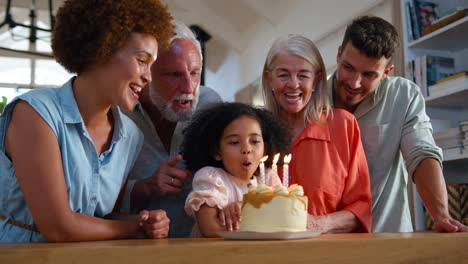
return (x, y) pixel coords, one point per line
(224, 145)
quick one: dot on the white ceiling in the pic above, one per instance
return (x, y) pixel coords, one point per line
(230, 20)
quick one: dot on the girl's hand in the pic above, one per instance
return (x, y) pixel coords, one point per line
(155, 223)
(230, 216)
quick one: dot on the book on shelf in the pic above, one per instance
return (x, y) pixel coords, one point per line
(465, 143)
(452, 16)
(453, 76)
(449, 138)
(464, 127)
(410, 71)
(426, 70)
(450, 85)
(416, 33)
(437, 68)
(409, 24)
(418, 75)
(452, 153)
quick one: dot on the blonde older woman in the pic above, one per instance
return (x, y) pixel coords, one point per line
(328, 158)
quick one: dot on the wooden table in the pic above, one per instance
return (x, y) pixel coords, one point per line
(337, 248)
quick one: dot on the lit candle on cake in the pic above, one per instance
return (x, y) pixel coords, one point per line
(286, 160)
(262, 170)
(274, 170)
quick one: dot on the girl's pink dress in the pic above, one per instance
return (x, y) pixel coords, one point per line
(216, 188)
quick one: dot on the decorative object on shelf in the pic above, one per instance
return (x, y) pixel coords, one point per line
(457, 14)
(419, 15)
(426, 13)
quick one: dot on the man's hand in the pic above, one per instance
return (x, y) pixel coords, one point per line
(154, 223)
(230, 216)
(168, 178)
(430, 183)
(448, 224)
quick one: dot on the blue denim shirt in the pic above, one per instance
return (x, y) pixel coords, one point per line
(93, 182)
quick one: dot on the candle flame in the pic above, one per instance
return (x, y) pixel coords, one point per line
(287, 159)
(276, 158)
(264, 159)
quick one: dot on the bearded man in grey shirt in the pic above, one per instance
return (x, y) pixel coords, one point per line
(159, 179)
(395, 130)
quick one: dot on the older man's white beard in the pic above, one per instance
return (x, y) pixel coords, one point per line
(166, 107)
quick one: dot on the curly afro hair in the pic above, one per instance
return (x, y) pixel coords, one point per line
(203, 135)
(90, 31)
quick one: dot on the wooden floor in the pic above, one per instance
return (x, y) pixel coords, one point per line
(337, 248)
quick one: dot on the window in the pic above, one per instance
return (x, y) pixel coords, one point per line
(19, 71)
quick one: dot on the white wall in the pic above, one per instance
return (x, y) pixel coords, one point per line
(229, 70)
(222, 69)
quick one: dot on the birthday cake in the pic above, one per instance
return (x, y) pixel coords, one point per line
(278, 209)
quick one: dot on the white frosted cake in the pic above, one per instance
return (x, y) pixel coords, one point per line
(274, 210)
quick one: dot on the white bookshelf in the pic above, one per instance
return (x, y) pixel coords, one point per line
(447, 100)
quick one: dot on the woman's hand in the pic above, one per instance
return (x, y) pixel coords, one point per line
(155, 223)
(317, 223)
(342, 221)
(230, 216)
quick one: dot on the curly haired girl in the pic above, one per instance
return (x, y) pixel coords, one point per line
(224, 145)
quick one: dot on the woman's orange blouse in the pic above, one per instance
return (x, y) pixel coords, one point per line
(329, 162)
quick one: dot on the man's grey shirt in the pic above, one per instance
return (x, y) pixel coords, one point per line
(152, 155)
(396, 134)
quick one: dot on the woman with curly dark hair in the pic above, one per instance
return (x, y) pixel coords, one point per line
(223, 145)
(65, 152)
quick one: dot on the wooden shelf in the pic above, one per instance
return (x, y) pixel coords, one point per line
(453, 37)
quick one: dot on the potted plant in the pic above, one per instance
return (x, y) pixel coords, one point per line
(3, 103)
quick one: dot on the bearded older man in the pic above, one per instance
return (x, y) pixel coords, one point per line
(158, 179)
